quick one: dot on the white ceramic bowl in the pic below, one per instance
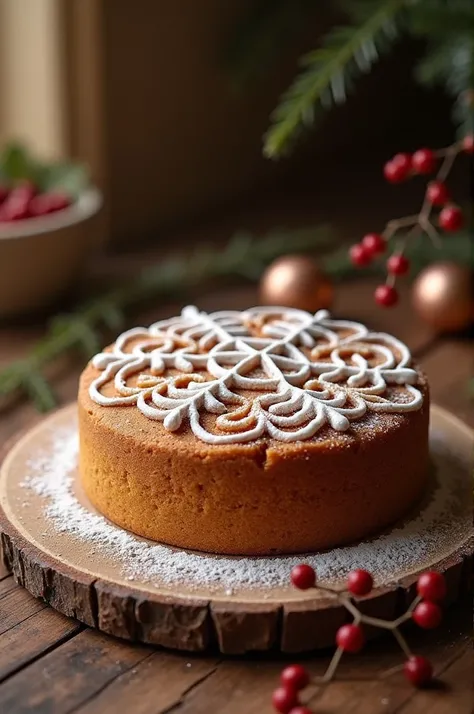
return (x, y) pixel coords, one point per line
(41, 257)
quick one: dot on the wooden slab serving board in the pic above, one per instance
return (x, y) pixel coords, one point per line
(92, 585)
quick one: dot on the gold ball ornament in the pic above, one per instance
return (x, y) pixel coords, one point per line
(443, 296)
(296, 281)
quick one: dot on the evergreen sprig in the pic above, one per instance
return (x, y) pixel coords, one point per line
(438, 18)
(329, 72)
(449, 63)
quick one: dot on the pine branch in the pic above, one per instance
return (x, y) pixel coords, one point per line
(82, 329)
(329, 72)
(438, 18)
(449, 62)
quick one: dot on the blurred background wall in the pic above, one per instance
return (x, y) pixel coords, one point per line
(139, 91)
(32, 100)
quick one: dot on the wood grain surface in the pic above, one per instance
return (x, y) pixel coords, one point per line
(49, 664)
(95, 593)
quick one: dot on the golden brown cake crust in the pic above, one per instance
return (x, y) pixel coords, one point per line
(262, 497)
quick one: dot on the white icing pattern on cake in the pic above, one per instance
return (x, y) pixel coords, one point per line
(310, 371)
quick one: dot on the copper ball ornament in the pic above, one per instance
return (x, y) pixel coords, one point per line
(443, 296)
(296, 281)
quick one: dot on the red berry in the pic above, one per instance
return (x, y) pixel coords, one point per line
(295, 677)
(350, 638)
(394, 173)
(398, 265)
(40, 205)
(418, 670)
(360, 582)
(402, 160)
(4, 193)
(427, 615)
(303, 576)
(386, 296)
(468, 144)
(437, 193)
(374, 243)
(46, 203)
(359, 255)
(423, 161)
(451, 219)
(17, 206)
(59, 201)
(14, 209)
(25, 190)
(301, 710)
(284, 699)
(432, 586)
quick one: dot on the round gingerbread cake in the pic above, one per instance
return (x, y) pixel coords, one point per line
(264, 431)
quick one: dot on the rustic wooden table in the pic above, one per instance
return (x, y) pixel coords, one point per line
(53, 665)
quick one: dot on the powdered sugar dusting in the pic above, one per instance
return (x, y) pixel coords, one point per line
(443, 522)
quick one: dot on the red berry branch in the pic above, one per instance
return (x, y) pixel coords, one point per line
(424, 611)
(437, 196)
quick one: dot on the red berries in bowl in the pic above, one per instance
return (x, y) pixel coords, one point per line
(25, 200)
